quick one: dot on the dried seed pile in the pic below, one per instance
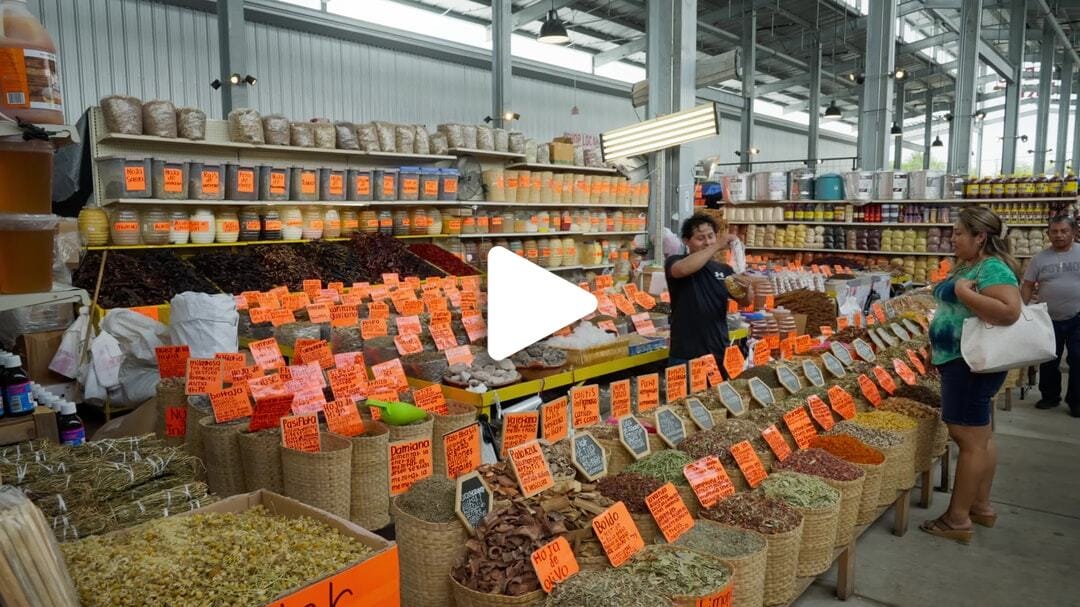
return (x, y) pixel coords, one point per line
(819, 308)
(873, 437)
(920, 393)
(800, 490)
(244, 558)
(818, 462)
(431, 499)
(885, 420)
(666, 465)
(910, 408)
(337, 263)
(719, 440)
(630, 488)
(755, 512)
(848, 448)
(721, 541)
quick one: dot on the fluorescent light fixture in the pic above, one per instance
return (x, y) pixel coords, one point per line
(661, 133)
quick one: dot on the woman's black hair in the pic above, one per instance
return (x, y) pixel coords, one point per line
(696, 221)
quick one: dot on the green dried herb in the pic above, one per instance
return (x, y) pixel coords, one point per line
(882, 439)
(721, 541)
(800, 490)
(431, 499)
(666, 465)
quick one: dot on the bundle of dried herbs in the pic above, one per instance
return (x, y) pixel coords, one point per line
(755, 512)
(719, 540)
(445, 260)
(336, 262)
(431, 499)
(849, 449)
(630, 488)
(382, 253)
(800, 490)
(818, 462)
(666, 465)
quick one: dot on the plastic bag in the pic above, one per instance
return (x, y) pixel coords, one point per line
(543, 153)
(123, 114)
(137, 334)
(422, 142)
(738, 256)
(579, 156)
(206, 323)
(159, 118)
(68, 356)
(32, 319)
(387, 140)
(191, 123)
(468, 136)
(345, 135)
(502, 140)
(276, 129)
(454, 136)
(325, 138)
(404, 138)
(66, 245)
(439, 144)
(301, 135)
(367, 137)
(245, 126)
(485, 138)
(530, 150)
(516, 142)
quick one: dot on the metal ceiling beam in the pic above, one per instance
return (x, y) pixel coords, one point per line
(931, 41)
(964, 101)
(815, 107)
(619, 52)
(1064, 102)
(1051, 20)
(536, 11)
(1017, 33)
(988, 53)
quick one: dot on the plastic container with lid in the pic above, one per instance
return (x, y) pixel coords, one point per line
(429, 183)
(482, 253)
(125, 177)
(556, 245)
(331, 223)
(544, 254)
(240, 182)
(350, 222)
(452, 221)
(203, 225)
(206, 181)
(386, 222)
(409, 183)
(517, 247)
(250, 224)
(418, 221)
(503, 223)
(543, 222)
(29, 50)
(435, 222)
(270, 219)
(472, 253)
(359, 186)
(494, 185)
(369, 221)
(332, 185)
(179, 226)
(125, 227)
(155, 226)
(448, 184)
(402, 225)
(532, 250)
(386, 184)
(313, 223)
(274, 183)
(468, 224)
(170, 179)
(524, 186)
(227, 226)
(93, 226)
(26, 252)
(26, 170)
(304, 185)
(292, 223)
(483, 222)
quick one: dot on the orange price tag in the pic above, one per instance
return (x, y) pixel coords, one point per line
(798, 423)
(531, 468)
(773, 339)
(803, 343)
(462, 448)
(605, 281)
(408, 344)
(347, 383)
(623, 304)
(308, 400)
(879, 312)
(231, 361)
(459, 355)
(318, 313)
(842, 402)
(648, 390)
(699, 374)
(409, 307)
(269, 411)
(295, 301)
(318, 352)
(859, 320)
(370, 328)
(431, 399)
(669, 512)
(776, 442)
(665, 297)
(393, 373)
(408, 325)
(643, 324)
(555, 418)
(343, 316)
(311, 286)
(519, 428)
(885, 380)
(734, 361)
(820, 411)
(378, 309)
(230, 403)
(869, 390)
(842, 322)
(617, 534)
(391, 279)
(266, 387)
(342, 417)
(770, 302)
(904, 371)
(301, 432)
(826, 330)
(749, 463)
(204, 376)
(916, 361)
(176, 422)
(709, 480)
(761, 353)
(410, 461)
(474, 327)
(443, 336)
(787, 348)
(620, 398)
(344, 360)
(554, 562)
(676, 382)
(172, 360)
(645, 300)
(585, 405)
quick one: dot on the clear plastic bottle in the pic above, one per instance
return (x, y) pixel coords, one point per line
(27, 48)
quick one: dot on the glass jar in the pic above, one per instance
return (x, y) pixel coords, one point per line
(227, 226)
(313, 224)
(350, 222)
(435, 222)
(292, 223)
(521, 222)
(483, 222)
(543, 219)
(369, 222)
(419, 219)
(617, 222)
(386, 222)
(401, 222)
(556, 252)
(605, 224)
(250, 224)
(569, 252)
(94, 226)
(271, 224)
(331, 223)
(124, 227)
(155, 226)
(595, 222)
(517, 247)
(203, 225)
(533, 226)
(507, 222)
(468, 225)
(532, 250)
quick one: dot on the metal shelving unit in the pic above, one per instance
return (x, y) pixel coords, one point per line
(871, 224)
(493, 235)
(847, 251)
(562, 168)
(486, 154)
(957, 201)
(59, 294)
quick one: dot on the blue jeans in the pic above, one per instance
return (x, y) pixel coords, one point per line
(1067, 336)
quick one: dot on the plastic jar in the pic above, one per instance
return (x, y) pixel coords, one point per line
(617, 221)
(517, 247)
(203, 226)
(521, 222)
(94, 226)
(332, 185)
(125, 177)
(227, 226)
(418, 221)
(250, 224)
(494, 185)
(508, 222)
(179, 226)
(304, 184)
(595, 222)
(386, 184)
(292, 223)
(271, 228)
(401, 222)
(429, 183)
(543, 222)
(483, 222)
(369, 222)
(155, 226)
(452, 221)
(435, 222)
(170, 179)
(468, 224)
(331, 223)
(409, 183)
(524, 186)
(313, 224)
(448, 184)
(566, 221)
(124, 227)
(510, 183)
(206, 181)
(544, 257)
(274, 183)
(556, 252)
(547, 187)
(532, 250)
(359, 185)
(350, 222)
(386, 222)
(240, 182)
(569, 252)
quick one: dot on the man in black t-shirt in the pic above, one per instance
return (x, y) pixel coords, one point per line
(699, 297)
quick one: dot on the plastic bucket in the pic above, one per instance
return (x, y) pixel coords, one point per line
(26, 252)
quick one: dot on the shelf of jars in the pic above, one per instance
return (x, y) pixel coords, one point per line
(546, 234)
(364, 203)
(562, 168)
(957, 201)
(854, 251)
(873, 224)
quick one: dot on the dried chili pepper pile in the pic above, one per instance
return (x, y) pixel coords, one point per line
(337, 263)
(139, 279)
(442, 258)
(382, 253)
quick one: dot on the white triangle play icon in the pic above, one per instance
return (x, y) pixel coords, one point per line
(527, 303)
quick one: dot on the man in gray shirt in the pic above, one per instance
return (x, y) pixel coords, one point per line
(1055, 272)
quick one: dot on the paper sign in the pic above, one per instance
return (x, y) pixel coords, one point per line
(749, 463)
(231, 361)
(408, 344)
(319, 313)
(648, 391)
(701, 416)
(869, 390)
(820, 411)
(669, 512)
(370, 328)
(643, 324)
(462, 448)
(410, 461)
(842, 402)
(266, 386)
(172, 360)
(776, 442)
(916, 361)
(475, 327)
(472, 499)
(408, 325)
(676, 382)
(342, 417)
(531, 468)
(378, 309)
(699, 374)
(318, 352)
(605, 281)
(841, 352)
(393, 373)
(588, 456)
(761, 353)
(230, 403)
(343, 316)
(554, 562)
(344, 360)
(798, 423)
(645, 300)
(885, 380)
(620, 398)
(269, 411)
(267, 354)
(864, 351)
(459, 355)
(555, 420)
(443, 336)
(787, 348)
(409, 307)
(617, 534)
(431, 399)
(308, 400)
(585, 405)
(176, 421)
(734, 362)
(623, 304)
(813, 373)
(204, 376)
(518, 429)
(879, 312)
(301, 432)
(904, 371)
(709, 480)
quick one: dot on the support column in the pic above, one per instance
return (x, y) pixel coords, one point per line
(1046, 87)
(749, 69)
(964, 102)
(1064, 110)
(928, 130)
(876, 110)
(501, 26)
(898, 118)
(979, 149)
(815, 107)
(1017, 21)
(1076, 141)
(232, 42)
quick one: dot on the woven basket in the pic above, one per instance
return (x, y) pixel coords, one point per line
(783, 561)
(890, 474)
(221, 451)
(941, 438)
(321, 480)
(690, 499)
(466, 597)
(412, 431)
(370, 486)
(748, 572)
(260, 454)
(620, 348)
(167, 397)
(193, 431)
(460, 415)
(924, 438)
(647, 527)
(426, 553)
(906, 469)
(818, 537)
(850, 499)
(593, 563)
(871, 493)
(696, 601)
(618, 457)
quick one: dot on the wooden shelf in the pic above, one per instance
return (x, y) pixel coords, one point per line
(563, 168)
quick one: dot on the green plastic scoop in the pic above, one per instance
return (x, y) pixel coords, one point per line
(397, 413)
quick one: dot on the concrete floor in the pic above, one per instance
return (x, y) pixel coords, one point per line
(1031, 558)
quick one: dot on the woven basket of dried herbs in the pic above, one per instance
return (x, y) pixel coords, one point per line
(743, 550)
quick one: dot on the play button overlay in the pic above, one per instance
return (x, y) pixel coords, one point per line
(526, 303)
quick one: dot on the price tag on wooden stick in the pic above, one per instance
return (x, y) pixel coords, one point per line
(556, 419)
(301, 432)
(531, 468)
(410, 461)
(462, 448)
(620, 398)
(749, 463)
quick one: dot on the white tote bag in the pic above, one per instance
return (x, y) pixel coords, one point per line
(1029, 341)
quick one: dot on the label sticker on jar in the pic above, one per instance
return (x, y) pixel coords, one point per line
(277, 182)
(337, 184)
(174, 180)
(211, 181)
(308, 182)
(245, 181)
(135, 179)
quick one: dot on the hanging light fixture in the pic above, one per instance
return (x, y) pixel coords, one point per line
(833, 111)
(938, 143)
(553, 31)
(896, 131)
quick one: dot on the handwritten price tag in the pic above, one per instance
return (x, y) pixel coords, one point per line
(904, 371)
(519, 428)
(230, 403)
(798, 423)
(676, 382)
(709, 480)
(620, 398)
(585, 405)
(204, 376)
(462, 448)
(670, 513)
(555, 418)
(172, 360)
(776, 442)
(885, 380)
(459, 355)
(734, 362)
(370, 328)
(342, 417)
(176, 422)
(531, 468)
(431, 399)
(269, 411)
(869, 390)
(648, 392)
(347, 383)
(393, 373)
(643, 324)
(554, 562)
(343, 316)
(408, 344)
(301, 432)
(475, 327)
(916, 361)
(761, 353)
(820, 411)
(749, 463)
(842, 402)
(408, 325)
(617, 534)
(410, 461)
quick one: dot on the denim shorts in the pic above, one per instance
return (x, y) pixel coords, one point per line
(966, 397)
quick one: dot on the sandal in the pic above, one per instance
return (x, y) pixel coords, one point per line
(986, 520)
(940, 528)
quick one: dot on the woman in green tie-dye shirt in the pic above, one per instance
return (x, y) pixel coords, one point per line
(983, 284)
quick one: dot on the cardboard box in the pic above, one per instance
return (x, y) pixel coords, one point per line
(37, 351)
(562, 153)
